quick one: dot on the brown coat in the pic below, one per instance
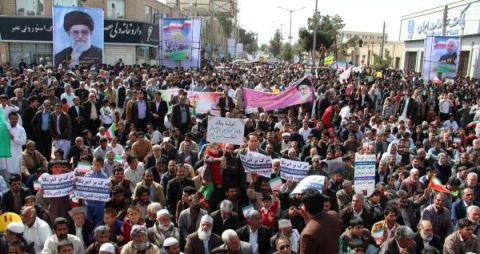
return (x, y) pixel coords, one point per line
(28, 162)
(195, 245)
(453, 244)
(321, 233)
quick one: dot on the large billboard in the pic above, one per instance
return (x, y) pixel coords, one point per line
(462, 19)
(77, 36)
(176, 38)
(441, 58)
(194, 60)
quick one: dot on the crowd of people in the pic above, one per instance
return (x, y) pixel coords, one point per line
(172, 191)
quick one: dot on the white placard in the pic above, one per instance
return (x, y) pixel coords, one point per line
(364, 178)
(314, 182)
(225, 130)
(257, 163)
(294, 170)
(89, 188)
(56, 185)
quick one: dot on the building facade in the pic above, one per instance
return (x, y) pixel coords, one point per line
(366, 45)
(130, 32)
(461, 20)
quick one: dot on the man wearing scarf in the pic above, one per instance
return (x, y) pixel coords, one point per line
(139, 243)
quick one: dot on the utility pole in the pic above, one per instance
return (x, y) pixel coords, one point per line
(212, 38)
(383, 41)
(291, 11)
(444, 20)
(315, 34)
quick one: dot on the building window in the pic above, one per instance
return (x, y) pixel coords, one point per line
(73, 3)
(29, 7)
(116, 9)
(148, 14)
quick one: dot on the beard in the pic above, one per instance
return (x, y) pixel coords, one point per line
(425, 237)
(141, 246)
(164, 227)
(62, 237)
(80, 46)
(204, 235)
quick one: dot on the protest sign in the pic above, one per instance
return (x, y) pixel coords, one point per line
(364, 178)
(225, 130)
(310, 182)
(257, 163)
(294, 170)
(56, 185)
(89, 188)
(275, 183)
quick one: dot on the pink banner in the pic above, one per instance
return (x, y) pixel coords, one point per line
(299, 92)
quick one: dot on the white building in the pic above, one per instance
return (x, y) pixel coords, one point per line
(462, 20)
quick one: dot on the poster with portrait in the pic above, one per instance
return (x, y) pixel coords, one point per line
(176, 38)
(78, 36)
(441, 57)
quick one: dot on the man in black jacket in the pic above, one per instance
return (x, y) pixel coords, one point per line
(158, 110)
(14, 198)
(175, 187)
(224, 218)
(262, 244)
(426, 236)
(79, 226)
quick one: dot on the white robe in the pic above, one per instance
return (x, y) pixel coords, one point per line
(13, 164)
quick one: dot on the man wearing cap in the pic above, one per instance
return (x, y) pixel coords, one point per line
(171, 246)
(60, 229)
(162, 229)
(139, 243)
(285, 230)
(79, 225)
(32, 159)
(107, 248)
(14, 233)
(79, 26)
(202, 241)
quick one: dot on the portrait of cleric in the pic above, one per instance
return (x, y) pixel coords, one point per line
(79, 26)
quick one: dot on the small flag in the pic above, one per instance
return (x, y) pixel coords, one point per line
(472, 124)
(36, 186)
(436, 185)
(84, 167)
(378, 234)
(111, 131)
(118, 157)
(275, 184)
(206, 190)
(437, 81)
(247, 209)
(5, 151)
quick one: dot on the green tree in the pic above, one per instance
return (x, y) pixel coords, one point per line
(276, 43)
(382, 63)
(287, 52)
(249, 40)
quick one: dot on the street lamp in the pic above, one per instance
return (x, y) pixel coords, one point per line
(291, 11)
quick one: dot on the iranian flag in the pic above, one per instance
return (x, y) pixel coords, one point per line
(436, 185)
(437, 81)
(111, 131)
(472, 124)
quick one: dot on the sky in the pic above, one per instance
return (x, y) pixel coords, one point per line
(264, 16)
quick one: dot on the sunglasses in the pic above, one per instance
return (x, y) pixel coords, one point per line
(284, 247)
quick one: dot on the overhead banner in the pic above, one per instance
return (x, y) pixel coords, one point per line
(293, 170)
(441, 57)
(300, 91)
(77, 36)
(310, 182)
(89, 188)
(364, 177)
(41, 29)
(176, 38)
(56, 185)
(225, 130)
(257, 163)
